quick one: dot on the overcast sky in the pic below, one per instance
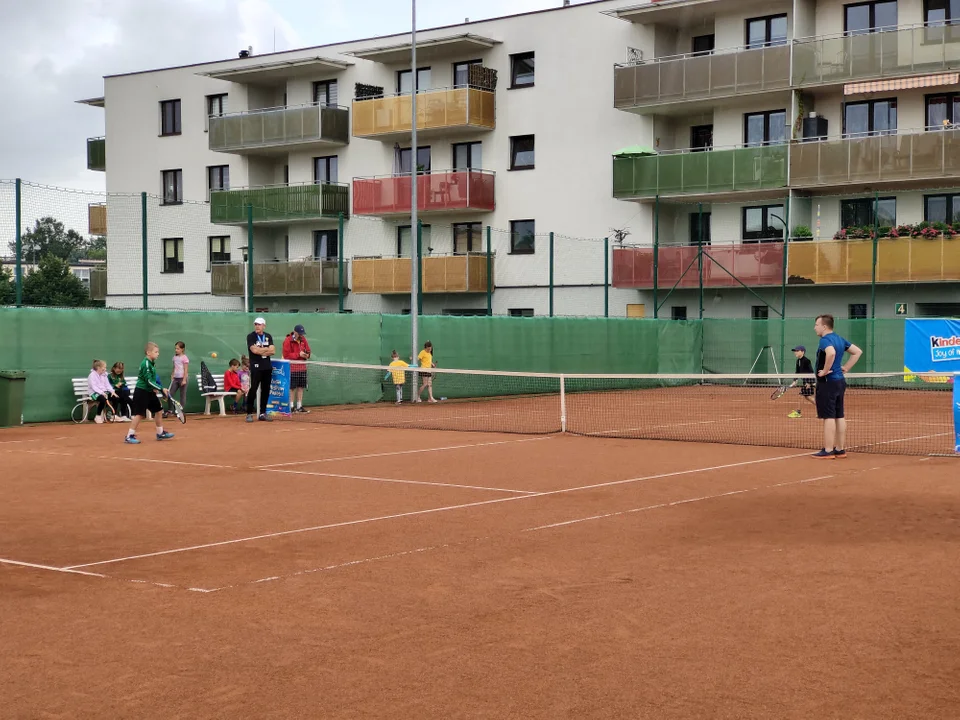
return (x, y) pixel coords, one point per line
(57, 52)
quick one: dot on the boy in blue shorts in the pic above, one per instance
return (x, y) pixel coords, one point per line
(831, 387)
(145, 396)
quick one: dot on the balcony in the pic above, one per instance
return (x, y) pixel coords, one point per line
(686, 173)
(871, 159)
(465, 273)
(280, 203)
(273, 131)
(647, 86)
(724, 266)
(273, 279)
(98, 283)
(445, 110)
(437, 192)
(97, 154)
(97, 219)
(839, 262)
(904, 51)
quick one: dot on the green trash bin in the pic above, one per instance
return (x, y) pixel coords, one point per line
(12, 384)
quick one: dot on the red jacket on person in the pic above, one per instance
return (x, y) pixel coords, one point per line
(292, 349)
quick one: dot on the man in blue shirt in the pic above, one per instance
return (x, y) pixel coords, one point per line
(831, 386)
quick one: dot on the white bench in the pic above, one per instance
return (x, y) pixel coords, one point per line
(217, 395)
(81, 391)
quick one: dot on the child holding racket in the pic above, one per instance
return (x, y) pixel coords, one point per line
(145, 396)
(807, 387)
(399, 376)
(100, 390)
(425, 360)
(178, 376)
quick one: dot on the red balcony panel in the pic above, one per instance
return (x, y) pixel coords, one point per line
(723, 265)
(448, 191)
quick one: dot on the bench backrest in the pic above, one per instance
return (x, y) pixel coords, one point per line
(80, 389)
(218, 379)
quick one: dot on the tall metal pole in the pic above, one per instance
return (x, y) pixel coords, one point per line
(489, 273)
(143, 246)
(700, 253)
(606, 277)
(551, 273)
(414, 261)
(873, 275)
(340, 261)
(656, 255)
(783, 280)
(250, 301)
(18, 272)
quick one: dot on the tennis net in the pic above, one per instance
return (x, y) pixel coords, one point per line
(886, 412)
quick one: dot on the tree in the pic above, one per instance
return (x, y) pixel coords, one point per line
(53, 284)
(50, 237)
(97, 248)
(8, 290)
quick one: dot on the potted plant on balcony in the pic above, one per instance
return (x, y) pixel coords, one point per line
(802, 232)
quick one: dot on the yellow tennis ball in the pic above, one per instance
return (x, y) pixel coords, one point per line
(213, 355)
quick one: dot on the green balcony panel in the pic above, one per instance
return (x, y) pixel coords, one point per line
(97, 154)
(282, 203)
(272, 129)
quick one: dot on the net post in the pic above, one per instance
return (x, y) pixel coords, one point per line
(656, 256)
(250, 258)
(419, 267)
(606, 277)
(551, 273)
(339, 263)
(700, 253)
(18, 270)
(563, 405)
(143, 249)
(489, 274)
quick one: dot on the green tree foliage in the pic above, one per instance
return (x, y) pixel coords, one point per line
(97, 248)
(8, 291)
(53, 284)
(50, 237)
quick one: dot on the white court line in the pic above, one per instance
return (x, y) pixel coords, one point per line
(446, 508)
(900, 440)
(399, 452)
(674, 503)
(15, 442)
(166, 462)
(648, 427)
(405, 482)
(71, 571)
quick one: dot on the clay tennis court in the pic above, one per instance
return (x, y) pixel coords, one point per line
(316, 570)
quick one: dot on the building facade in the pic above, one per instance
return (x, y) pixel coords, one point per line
(728, 142)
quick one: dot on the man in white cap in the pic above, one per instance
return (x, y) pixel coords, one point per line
(261, 347)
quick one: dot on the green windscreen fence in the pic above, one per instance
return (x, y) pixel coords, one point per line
(56, 345)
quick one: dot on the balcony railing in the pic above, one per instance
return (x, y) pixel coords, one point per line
(900, 51)
(97, 154)
(715, 171)
(443, 109)
(752, 264)
(299, 277)
(445, 191)
(272, 129)
(835, 262)
(465, 273)
(97, 219)
(98, 283)
(701, 76)
(905, 155)
(280, 203)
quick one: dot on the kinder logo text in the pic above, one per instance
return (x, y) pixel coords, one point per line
(945, 348)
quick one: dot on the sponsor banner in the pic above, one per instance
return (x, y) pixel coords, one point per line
(279, 401)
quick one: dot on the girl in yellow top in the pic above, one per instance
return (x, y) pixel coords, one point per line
(399, 376)
(425, 360)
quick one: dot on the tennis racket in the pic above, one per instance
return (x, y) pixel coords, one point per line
(178, 411)
(778, 393)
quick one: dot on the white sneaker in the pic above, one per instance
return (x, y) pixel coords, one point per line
(98, 419)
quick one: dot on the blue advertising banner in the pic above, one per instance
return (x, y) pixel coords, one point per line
(279, 401)
(931, 346)
(956, 415)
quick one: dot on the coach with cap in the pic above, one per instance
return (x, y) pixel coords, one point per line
(260, 343)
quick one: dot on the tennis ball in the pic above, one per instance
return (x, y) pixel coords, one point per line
(213, 355)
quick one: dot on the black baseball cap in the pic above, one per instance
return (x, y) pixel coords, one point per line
(298, 329)
(801, 348)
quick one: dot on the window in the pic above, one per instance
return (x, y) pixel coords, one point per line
(465, 312)
(678, 312)
(286, 174)
(467, 237)
(764, 128)
(943, 110)
(170, 117)
(695, 228)
(405, 81)
(872, 117)
(938, 310)
(218, 178)
(461, 73)
(172, 187)
(869, 17)
(766, 31)
(219, 250)
(173, 255)
(763, 223)
(326, 245)
(703, 44)
(759, 312)
(857, 311)
(325, 93)
(521, 70)
(521, 152)
(859, 213)
(941, 12)
(522, 237)
(941, 208)
(216, 105)
(406, 240)
(325, 170)
(423, 160)
(521, 312)
(467, 156)
(701, 138)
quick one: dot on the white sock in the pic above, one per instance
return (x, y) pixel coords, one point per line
(131, 432)
(159, 430)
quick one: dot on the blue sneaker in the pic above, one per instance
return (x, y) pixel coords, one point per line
(824, 454)
(249, 418)
(131, 440)
(165, 435)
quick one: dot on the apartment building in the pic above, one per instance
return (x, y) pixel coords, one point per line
(729, 125)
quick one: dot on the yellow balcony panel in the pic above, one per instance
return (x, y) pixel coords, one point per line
(439, 274)
(278, 279)
(899, 260)
(97, 219)
(443, 110)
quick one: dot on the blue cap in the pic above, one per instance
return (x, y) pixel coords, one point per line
(299, 330)
(801, 348)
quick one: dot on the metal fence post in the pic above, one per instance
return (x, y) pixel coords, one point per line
(250, 302)
(340, 261)
(606, 277)
(143, 250)
(656, 256)
(700, 253)
(18, 271)
(489, 274)
(419, 261)
(551, 273)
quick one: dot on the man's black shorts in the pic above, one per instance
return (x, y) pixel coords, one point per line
(298, 379)
(830, 399)
(808, 389)
(143, 401)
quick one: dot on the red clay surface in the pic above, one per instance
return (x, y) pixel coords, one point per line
(307, 570)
